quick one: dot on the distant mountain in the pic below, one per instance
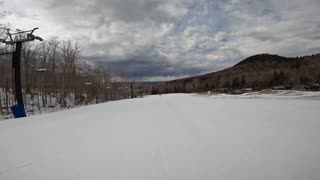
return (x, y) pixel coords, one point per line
(259, 71)
(266, 58)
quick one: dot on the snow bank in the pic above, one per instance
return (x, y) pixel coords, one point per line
(274, 94)
(175, 137)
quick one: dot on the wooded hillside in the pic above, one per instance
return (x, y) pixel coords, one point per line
(259, 71)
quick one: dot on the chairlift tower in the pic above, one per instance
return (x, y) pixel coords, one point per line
(17, 39)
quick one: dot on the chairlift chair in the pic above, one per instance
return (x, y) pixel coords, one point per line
(41, 70)
(83, 75)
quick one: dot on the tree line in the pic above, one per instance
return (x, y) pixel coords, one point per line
(53, 75)
(256, 72)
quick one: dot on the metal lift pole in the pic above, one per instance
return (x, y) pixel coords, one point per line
(17, 73)
(18, 39)
(131, 88)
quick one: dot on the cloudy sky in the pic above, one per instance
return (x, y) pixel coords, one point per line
(168, 39)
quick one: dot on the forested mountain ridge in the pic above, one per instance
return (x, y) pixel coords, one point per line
(258, 71)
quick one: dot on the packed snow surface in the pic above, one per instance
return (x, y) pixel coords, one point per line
(168, 137)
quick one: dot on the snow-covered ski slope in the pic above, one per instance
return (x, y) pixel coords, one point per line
(168, 137)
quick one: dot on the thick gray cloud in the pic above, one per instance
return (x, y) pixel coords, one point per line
(166, 39)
